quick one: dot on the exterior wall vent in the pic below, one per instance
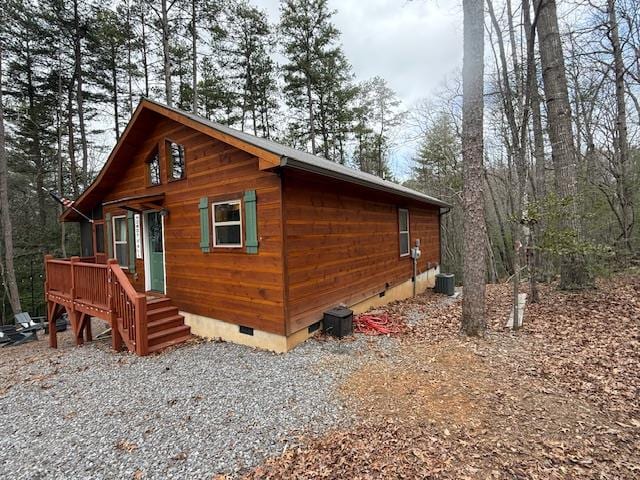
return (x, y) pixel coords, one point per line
(314, 327)
(246, 330)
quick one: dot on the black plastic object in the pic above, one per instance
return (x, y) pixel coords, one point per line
(338, 322)
(445, 283)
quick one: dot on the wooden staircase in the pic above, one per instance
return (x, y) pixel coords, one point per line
(165, 326)
(85, 289)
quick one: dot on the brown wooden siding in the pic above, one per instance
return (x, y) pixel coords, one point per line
(228, 285)
(342, 244)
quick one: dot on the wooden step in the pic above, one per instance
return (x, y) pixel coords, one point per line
(160, 313)
(165, 323)
(168, 334)
(158, 302)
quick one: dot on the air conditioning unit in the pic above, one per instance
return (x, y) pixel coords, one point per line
(445, 283)
(338, 322)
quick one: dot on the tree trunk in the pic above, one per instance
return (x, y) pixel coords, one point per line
(312, 129)
(72, 146)
(114, 81)
(621, 141)
(573, 268)
(36, 148)
(129, 66)
(11, 284)
(59, 116)
(516, 147)
(166, 53)
(145, 61)
(77, 53)
(194, 53)
(474, 266)
(537, 260)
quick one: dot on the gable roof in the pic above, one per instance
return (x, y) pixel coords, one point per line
(273, 153)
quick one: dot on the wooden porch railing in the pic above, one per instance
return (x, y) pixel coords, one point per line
(85, 288)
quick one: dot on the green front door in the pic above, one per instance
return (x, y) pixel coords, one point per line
(156, 251)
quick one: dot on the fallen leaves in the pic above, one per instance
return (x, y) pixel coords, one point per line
(126, 446)
(558, 399)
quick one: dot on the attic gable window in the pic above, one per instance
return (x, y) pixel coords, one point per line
(175, 153)
(153, 169)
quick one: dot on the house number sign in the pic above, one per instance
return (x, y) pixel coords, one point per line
(138, 233)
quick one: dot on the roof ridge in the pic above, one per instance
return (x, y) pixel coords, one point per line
(300, 159)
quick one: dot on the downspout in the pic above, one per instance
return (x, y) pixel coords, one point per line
(443, 211)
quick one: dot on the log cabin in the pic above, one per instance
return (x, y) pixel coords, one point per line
(197, 228)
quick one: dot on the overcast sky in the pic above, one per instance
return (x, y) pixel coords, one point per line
(414, 45)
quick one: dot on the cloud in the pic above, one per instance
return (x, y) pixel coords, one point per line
(414, 45)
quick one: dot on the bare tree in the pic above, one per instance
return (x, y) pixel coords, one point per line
(474, 267)
(621, 143)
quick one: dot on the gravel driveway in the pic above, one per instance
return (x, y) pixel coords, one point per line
(193, 412)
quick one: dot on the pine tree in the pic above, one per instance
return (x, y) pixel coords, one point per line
(474, 267)
(437, 163)
(311, 45)
(7, 259)
(251, 41)
(573, 272)
(108, 43)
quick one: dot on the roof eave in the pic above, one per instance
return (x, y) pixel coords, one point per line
(300, 165)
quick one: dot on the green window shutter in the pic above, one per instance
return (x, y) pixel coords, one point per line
(109, 228)
(204, 225)
(250, 221)
(131, 240)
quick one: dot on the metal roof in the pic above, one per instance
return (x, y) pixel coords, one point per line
(292, 158)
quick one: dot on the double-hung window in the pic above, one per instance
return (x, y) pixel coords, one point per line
(403, 222)
(120, 245)
(227, 224)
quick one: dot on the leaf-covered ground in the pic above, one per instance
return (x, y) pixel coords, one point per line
(558, 399)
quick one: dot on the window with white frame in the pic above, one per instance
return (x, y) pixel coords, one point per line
(227, 224)
(403, 222)
(120, 245)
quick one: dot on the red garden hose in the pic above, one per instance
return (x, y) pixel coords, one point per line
(381, 324)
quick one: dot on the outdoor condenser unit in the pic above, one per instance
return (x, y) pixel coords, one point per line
(445, 283)
(338, 322)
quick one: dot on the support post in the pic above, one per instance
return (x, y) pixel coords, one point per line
(51, 306)
(51, 318)
(116, 338)
(88, 334)
(142, 341)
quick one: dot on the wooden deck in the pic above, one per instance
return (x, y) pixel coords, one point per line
(85, 289)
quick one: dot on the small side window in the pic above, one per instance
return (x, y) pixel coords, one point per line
(176, 164)
(227, 224)
(403, 221)
(153, 169)
(120, 244)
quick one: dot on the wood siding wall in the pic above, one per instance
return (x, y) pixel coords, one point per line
(342, 244)
(228, 285)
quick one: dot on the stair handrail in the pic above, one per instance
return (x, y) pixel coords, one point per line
(139, 302)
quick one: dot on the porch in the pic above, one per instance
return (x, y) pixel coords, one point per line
(85, 288)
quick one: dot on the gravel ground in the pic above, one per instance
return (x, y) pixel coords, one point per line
(192, 412)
